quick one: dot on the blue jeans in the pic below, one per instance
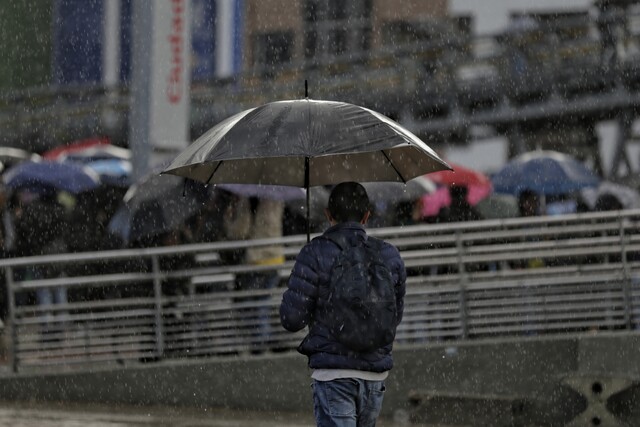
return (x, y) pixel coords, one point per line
(47, 297)
(261, 312)
(347, 402)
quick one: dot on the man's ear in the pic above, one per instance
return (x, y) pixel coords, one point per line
(365, 217)
(328, 215)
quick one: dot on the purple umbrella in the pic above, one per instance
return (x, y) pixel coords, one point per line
(47, 176)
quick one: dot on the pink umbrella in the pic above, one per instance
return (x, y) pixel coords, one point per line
(478, 188)
(432, 203)
(478, 184)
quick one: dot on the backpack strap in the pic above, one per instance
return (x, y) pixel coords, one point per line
(375, 242)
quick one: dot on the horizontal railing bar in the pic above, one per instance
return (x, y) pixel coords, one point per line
(115, 325)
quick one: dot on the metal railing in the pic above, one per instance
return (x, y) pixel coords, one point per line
(466, 281)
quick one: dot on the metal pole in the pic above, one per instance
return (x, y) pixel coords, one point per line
(157, 293)
(140, 87)
(13, 336)
(111, 40)
(464, 281)
(627, 276)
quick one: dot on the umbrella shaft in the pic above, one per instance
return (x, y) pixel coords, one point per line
(306, 186)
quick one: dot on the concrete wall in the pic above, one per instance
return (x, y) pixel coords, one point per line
(532, 370)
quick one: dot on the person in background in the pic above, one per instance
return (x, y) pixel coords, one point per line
(529, 203)
(40, 227)
(608, 202)
(250, 219)
(207, 225)
(529, 206)
(348, 386)
(460, 209)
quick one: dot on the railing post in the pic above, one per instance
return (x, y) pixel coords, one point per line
(11, 315)
(627, 276)
(157, 293)
(464, 281)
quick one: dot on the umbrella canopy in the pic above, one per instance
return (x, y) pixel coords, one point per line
(47, 176)
(113, 172)
(76, 146)
(10, 155)
(433, 202)
(478, 184)
(548, 173)
(627, 197)
(392, 201)
(155, 205)
(395, 192)
(305, 143)
(97, 153)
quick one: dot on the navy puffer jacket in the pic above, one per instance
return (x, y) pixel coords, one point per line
(312, 270)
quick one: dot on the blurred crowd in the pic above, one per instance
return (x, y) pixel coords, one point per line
(42, 215)
(162, 210)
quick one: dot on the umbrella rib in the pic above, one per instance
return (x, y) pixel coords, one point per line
(393, 166)
(214, 171)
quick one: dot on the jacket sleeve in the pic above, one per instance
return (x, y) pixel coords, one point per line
(299, 300)
(400, 276)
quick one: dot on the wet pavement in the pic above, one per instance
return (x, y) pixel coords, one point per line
(70, 415)
(88, 415)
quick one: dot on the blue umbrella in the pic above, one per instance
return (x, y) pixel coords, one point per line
(548, 173)
(47, 176)
(115, 172)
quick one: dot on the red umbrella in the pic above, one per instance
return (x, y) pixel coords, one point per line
(478, 184)
(63, 150)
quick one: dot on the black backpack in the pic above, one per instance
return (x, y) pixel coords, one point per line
(360, 309)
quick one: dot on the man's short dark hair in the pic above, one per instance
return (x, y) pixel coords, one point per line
(348, 202)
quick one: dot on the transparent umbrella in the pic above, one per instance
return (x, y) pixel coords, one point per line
(306, 143)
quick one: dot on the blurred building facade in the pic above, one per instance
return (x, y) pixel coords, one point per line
(549, 79)
(65, 42)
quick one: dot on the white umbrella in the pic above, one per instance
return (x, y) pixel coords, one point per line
(628, 197)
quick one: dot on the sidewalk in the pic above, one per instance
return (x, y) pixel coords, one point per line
(95, 415)
(90, 415)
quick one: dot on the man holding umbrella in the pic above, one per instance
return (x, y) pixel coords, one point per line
(309, 143)
(352, 374)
